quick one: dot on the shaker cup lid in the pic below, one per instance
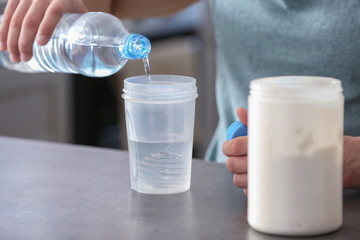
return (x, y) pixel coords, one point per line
(236, 129)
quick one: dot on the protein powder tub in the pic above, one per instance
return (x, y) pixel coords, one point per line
(295, 152)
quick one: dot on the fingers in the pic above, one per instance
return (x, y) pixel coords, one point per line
(51, 18)
(351, 162)
(236, 147)
(242, 115)
(29, 29)
(14, 30)
(240, 180)
(19, 26)
(5, 22)
(53, 15)
(24, 19)
(237, 164)
(236, 150)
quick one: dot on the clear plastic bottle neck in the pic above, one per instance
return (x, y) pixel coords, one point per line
(136, 46)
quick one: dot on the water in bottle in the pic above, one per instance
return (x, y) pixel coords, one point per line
(94, 44)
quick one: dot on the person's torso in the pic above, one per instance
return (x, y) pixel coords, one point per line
(262, 38)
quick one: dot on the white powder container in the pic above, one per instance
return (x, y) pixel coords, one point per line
(295, 152)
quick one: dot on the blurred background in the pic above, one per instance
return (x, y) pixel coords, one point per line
(90, 111)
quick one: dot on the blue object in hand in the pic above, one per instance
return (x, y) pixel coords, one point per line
(236, 129)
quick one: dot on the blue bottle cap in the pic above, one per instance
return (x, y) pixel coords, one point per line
(136, 46)
(236, 129)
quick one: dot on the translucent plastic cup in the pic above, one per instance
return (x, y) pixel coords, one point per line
(160, 126)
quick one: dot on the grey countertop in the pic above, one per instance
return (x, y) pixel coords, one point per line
(60, 191)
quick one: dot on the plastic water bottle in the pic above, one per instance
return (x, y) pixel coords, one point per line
(94, 44)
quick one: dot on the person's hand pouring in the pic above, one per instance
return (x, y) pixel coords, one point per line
(23, 20)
